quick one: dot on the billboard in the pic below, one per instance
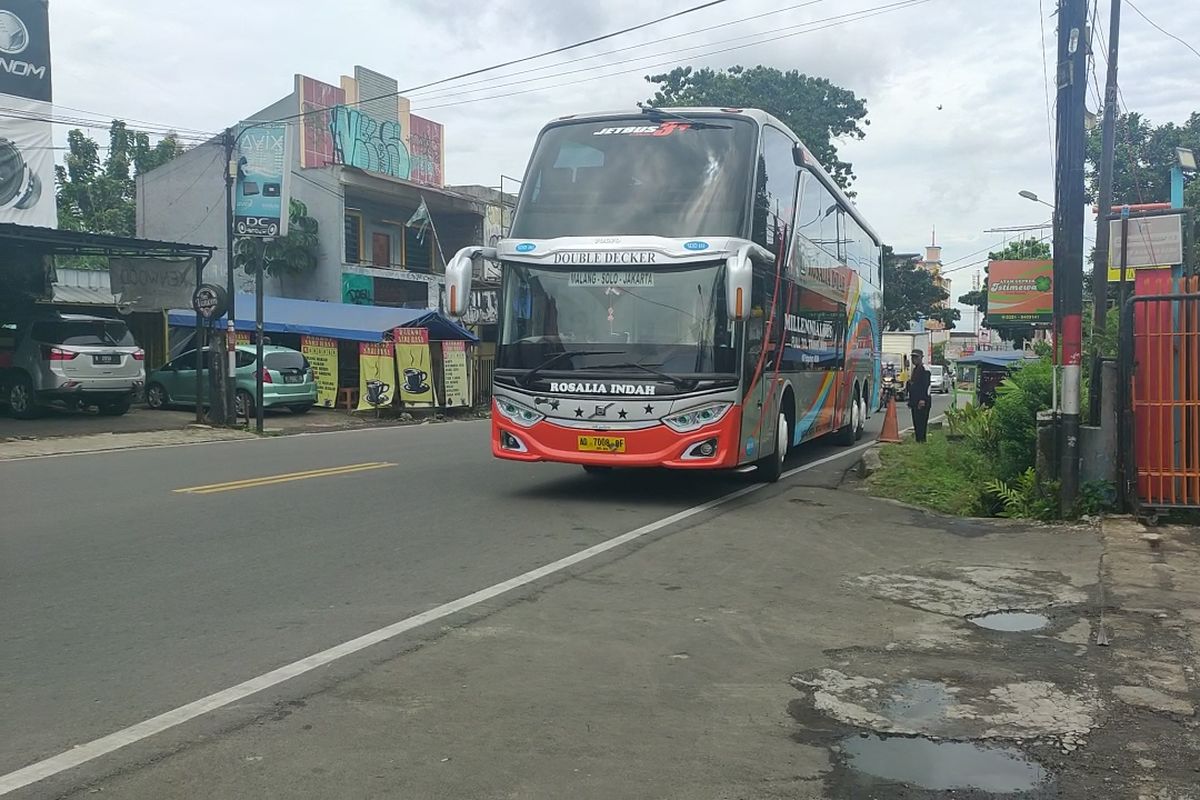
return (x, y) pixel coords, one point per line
(27, 164)
(25, 49)
(263, 176)
(425, 149)
(1020, 292)
(1154, 242)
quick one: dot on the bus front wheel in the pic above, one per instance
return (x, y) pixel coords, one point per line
(770, 468)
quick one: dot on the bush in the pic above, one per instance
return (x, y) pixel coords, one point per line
(1019, 398)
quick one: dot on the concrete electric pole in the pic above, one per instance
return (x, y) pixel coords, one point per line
(1104, 203)
(1068, 230)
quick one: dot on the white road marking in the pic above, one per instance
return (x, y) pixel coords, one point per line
(81, 754)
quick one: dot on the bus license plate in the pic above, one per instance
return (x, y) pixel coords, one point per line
(601, 444)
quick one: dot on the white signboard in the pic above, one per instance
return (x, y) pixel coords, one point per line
(27, 163)
(1153, 242)
(621, 280)
(149, 284)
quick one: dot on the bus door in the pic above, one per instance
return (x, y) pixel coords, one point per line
(758, 367)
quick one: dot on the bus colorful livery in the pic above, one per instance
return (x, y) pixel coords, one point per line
(681, 288)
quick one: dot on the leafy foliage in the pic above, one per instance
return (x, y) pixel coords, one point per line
(1142, 160)
(1024, 498)
(910, 294)
(1024, 249)
(293, 254)
(818, 111)
(977, 425)
(97, 194)
(1019, 398)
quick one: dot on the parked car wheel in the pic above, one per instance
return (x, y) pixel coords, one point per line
(301, 409)
(243, 403)
(117, 407)
(22, 402)
(156, 396)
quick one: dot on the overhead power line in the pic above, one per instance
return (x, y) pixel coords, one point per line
(514, 61)
(1162, 30)
(674, 54)
(865, 14)
(418, 93)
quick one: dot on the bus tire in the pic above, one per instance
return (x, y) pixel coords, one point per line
(850, 433)
(770, 467)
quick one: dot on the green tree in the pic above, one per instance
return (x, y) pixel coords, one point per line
(97, 195)
(293, 254)
(910, 294)
(1023, 249)
(1142, 161)
(818, 111)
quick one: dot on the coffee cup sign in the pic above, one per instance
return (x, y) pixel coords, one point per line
(415, 381)
(210, 301)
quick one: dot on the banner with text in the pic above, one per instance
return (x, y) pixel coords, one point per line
(322, 355)
(1020, 291)
(376, 375)
(152, 284)
(413, 363)
(456, 389)
(263, 179)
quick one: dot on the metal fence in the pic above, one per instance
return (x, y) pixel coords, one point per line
(1161, 442)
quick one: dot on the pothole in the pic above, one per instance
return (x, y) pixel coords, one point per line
(944, 766)
(918, 703)
(1010, 621)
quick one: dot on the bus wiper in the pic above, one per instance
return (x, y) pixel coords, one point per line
(679, 383)
(528, 377)
(694, 123)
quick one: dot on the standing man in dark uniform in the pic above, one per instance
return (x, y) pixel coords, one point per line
(918, 395)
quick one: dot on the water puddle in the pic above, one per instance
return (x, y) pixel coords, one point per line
(1010, 621)
(943, 766)
(916, 704)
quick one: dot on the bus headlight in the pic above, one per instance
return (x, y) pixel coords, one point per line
(520, 414)
(696, 418)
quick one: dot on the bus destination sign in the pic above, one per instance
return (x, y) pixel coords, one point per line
(623, 280)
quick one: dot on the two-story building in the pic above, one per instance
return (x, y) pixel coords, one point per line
(362, 167)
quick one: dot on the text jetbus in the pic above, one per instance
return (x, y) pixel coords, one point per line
(681, 288)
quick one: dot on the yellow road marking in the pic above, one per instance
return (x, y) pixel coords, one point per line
(267, 480)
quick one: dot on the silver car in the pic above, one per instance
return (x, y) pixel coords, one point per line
(72, 359)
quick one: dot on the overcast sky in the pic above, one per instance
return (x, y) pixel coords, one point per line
(955, 89)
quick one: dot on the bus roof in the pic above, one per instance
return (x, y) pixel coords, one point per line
(756, 115)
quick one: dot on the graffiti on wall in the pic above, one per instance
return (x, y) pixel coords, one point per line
(362, 141)
(425, 144)
(316, 140)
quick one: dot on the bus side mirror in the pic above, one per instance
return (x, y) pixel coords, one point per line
(739, 279)
(458, 281)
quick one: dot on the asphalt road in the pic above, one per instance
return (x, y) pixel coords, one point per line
(124, 597)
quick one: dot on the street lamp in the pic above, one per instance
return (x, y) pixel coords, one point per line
(1028, 195)
(1185, 162)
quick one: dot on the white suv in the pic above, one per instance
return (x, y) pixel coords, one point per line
(73, 359)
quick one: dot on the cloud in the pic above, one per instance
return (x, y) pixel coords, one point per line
(204, 66)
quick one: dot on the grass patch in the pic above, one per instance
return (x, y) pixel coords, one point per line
(941, 475)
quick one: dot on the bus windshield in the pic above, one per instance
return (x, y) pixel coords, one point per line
(674, 321)
(641, 176)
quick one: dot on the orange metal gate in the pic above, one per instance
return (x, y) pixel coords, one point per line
(1162, 354)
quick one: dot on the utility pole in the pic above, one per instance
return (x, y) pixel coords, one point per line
(1068, 230)
(227, 404)
(1100, 268)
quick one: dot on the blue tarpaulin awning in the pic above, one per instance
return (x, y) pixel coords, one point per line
(994, 358)
(335, 320)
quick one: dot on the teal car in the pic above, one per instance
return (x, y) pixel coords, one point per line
(288, 381)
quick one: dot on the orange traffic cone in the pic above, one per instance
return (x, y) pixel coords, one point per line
(891, 426)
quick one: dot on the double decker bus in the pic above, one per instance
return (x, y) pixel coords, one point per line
(682, 288)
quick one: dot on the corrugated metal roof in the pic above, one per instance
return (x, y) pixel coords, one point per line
(83, 286)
